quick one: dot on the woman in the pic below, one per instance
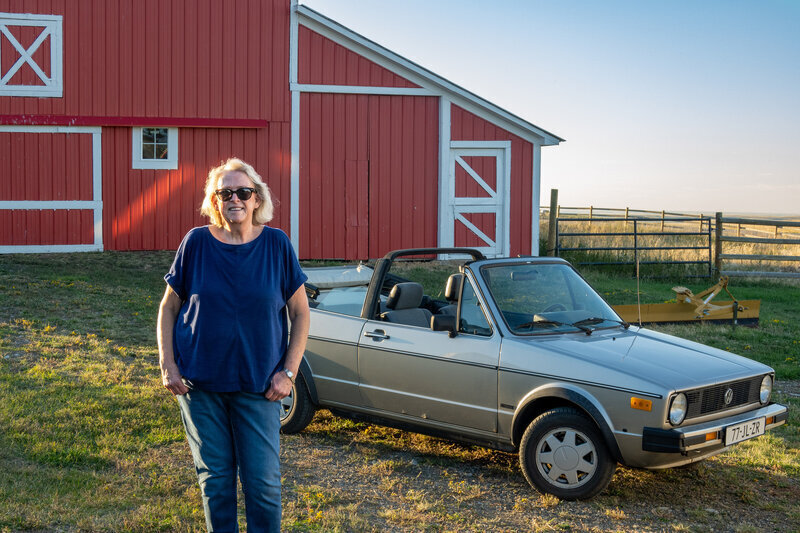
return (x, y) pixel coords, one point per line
(224, 345)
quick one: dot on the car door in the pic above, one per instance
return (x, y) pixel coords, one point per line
(415, 372)
(331, 352)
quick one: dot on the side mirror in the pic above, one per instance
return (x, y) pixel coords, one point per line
(444, 323)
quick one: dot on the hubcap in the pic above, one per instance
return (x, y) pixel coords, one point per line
(566, 458)
(287, 404)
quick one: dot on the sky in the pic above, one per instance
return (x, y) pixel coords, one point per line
(685, 105)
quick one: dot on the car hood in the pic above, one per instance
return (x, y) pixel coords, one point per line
(624, 358)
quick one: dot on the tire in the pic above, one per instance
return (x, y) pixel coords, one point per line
(297, 410)
(562, 453)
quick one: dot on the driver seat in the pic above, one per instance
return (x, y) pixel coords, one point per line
(452, 294)
(403, 305)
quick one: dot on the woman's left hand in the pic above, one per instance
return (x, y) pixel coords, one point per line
(279, 387)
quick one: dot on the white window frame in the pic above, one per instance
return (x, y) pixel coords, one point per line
(51, 26)
(170, 163)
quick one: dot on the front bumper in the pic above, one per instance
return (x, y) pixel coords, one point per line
(709, 434)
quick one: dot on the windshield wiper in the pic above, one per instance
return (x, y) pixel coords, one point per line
(599, 319)
(580, 324)
(539, 321)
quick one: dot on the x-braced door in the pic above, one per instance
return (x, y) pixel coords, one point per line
(479, 185)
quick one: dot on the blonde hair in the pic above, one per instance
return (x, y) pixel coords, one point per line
(263, 212)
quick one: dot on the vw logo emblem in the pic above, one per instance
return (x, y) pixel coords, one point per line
(728, 396)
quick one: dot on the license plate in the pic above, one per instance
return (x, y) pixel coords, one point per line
(745, 430)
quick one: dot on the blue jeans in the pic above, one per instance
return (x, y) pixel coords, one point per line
(230, 431)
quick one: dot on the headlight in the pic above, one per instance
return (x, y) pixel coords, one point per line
(766, 389)
(677, 409)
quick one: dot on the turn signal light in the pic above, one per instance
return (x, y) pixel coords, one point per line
(712, 436)
(641, 404)
(770, 420)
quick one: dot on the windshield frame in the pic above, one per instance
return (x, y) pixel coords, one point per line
(612, 319)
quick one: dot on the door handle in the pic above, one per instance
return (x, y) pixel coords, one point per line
(377, 335)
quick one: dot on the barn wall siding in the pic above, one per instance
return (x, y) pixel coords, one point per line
(466, 126)
(368, 174)
(219, 72)
(153, 209)
(324, 62)
(181, 58)
(45, 167)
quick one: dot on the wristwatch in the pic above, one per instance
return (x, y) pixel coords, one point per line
(289, 373)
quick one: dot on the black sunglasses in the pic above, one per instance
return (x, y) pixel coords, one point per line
(244, 193)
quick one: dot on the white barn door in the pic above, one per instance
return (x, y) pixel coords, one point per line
(478, 188)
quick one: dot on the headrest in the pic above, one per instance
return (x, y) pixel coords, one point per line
(406, 295)
(451, 290)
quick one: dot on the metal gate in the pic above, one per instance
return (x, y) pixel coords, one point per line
(631, 242)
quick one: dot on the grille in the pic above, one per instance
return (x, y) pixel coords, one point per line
(712, 399)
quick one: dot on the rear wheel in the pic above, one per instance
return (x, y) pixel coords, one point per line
(562, 453)
(297, 410)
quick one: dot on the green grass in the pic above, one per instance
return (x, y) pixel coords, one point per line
(90, 441)
(776, 342)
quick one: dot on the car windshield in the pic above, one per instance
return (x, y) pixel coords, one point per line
(542, 298)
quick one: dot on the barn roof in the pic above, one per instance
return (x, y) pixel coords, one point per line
(432, 83)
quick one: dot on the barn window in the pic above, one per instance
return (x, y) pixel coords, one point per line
(31, 48)
(155, 148)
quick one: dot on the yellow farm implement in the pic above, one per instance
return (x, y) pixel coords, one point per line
(691, 307)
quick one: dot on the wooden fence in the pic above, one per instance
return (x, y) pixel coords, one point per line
(772, 238)
(592, 212)
(775, 227)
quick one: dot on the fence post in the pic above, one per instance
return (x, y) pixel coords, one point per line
(662, 220)
(551, 225)
(718, 247)
(635, 249)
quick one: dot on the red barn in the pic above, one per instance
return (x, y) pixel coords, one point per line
(112, 112)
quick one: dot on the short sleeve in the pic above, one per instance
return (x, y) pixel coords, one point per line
(294, 276)
(176, 277)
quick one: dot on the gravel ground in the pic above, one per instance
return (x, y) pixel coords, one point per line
(355, 477)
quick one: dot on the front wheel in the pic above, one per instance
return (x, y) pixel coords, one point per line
(297, 410)
(562, 453)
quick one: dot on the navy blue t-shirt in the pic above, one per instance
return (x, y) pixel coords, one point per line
(231, 332)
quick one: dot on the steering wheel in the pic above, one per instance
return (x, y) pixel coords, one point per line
(558, 306)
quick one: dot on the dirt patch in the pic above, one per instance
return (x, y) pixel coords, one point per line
(357, 477)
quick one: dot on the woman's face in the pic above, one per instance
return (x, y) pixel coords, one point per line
(236, 211)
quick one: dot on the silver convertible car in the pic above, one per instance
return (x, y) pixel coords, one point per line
(519, 354)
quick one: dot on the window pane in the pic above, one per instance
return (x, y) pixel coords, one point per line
(472, 318)
(148, 151)
(161, 151)
(161, 135)
(148, 135)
